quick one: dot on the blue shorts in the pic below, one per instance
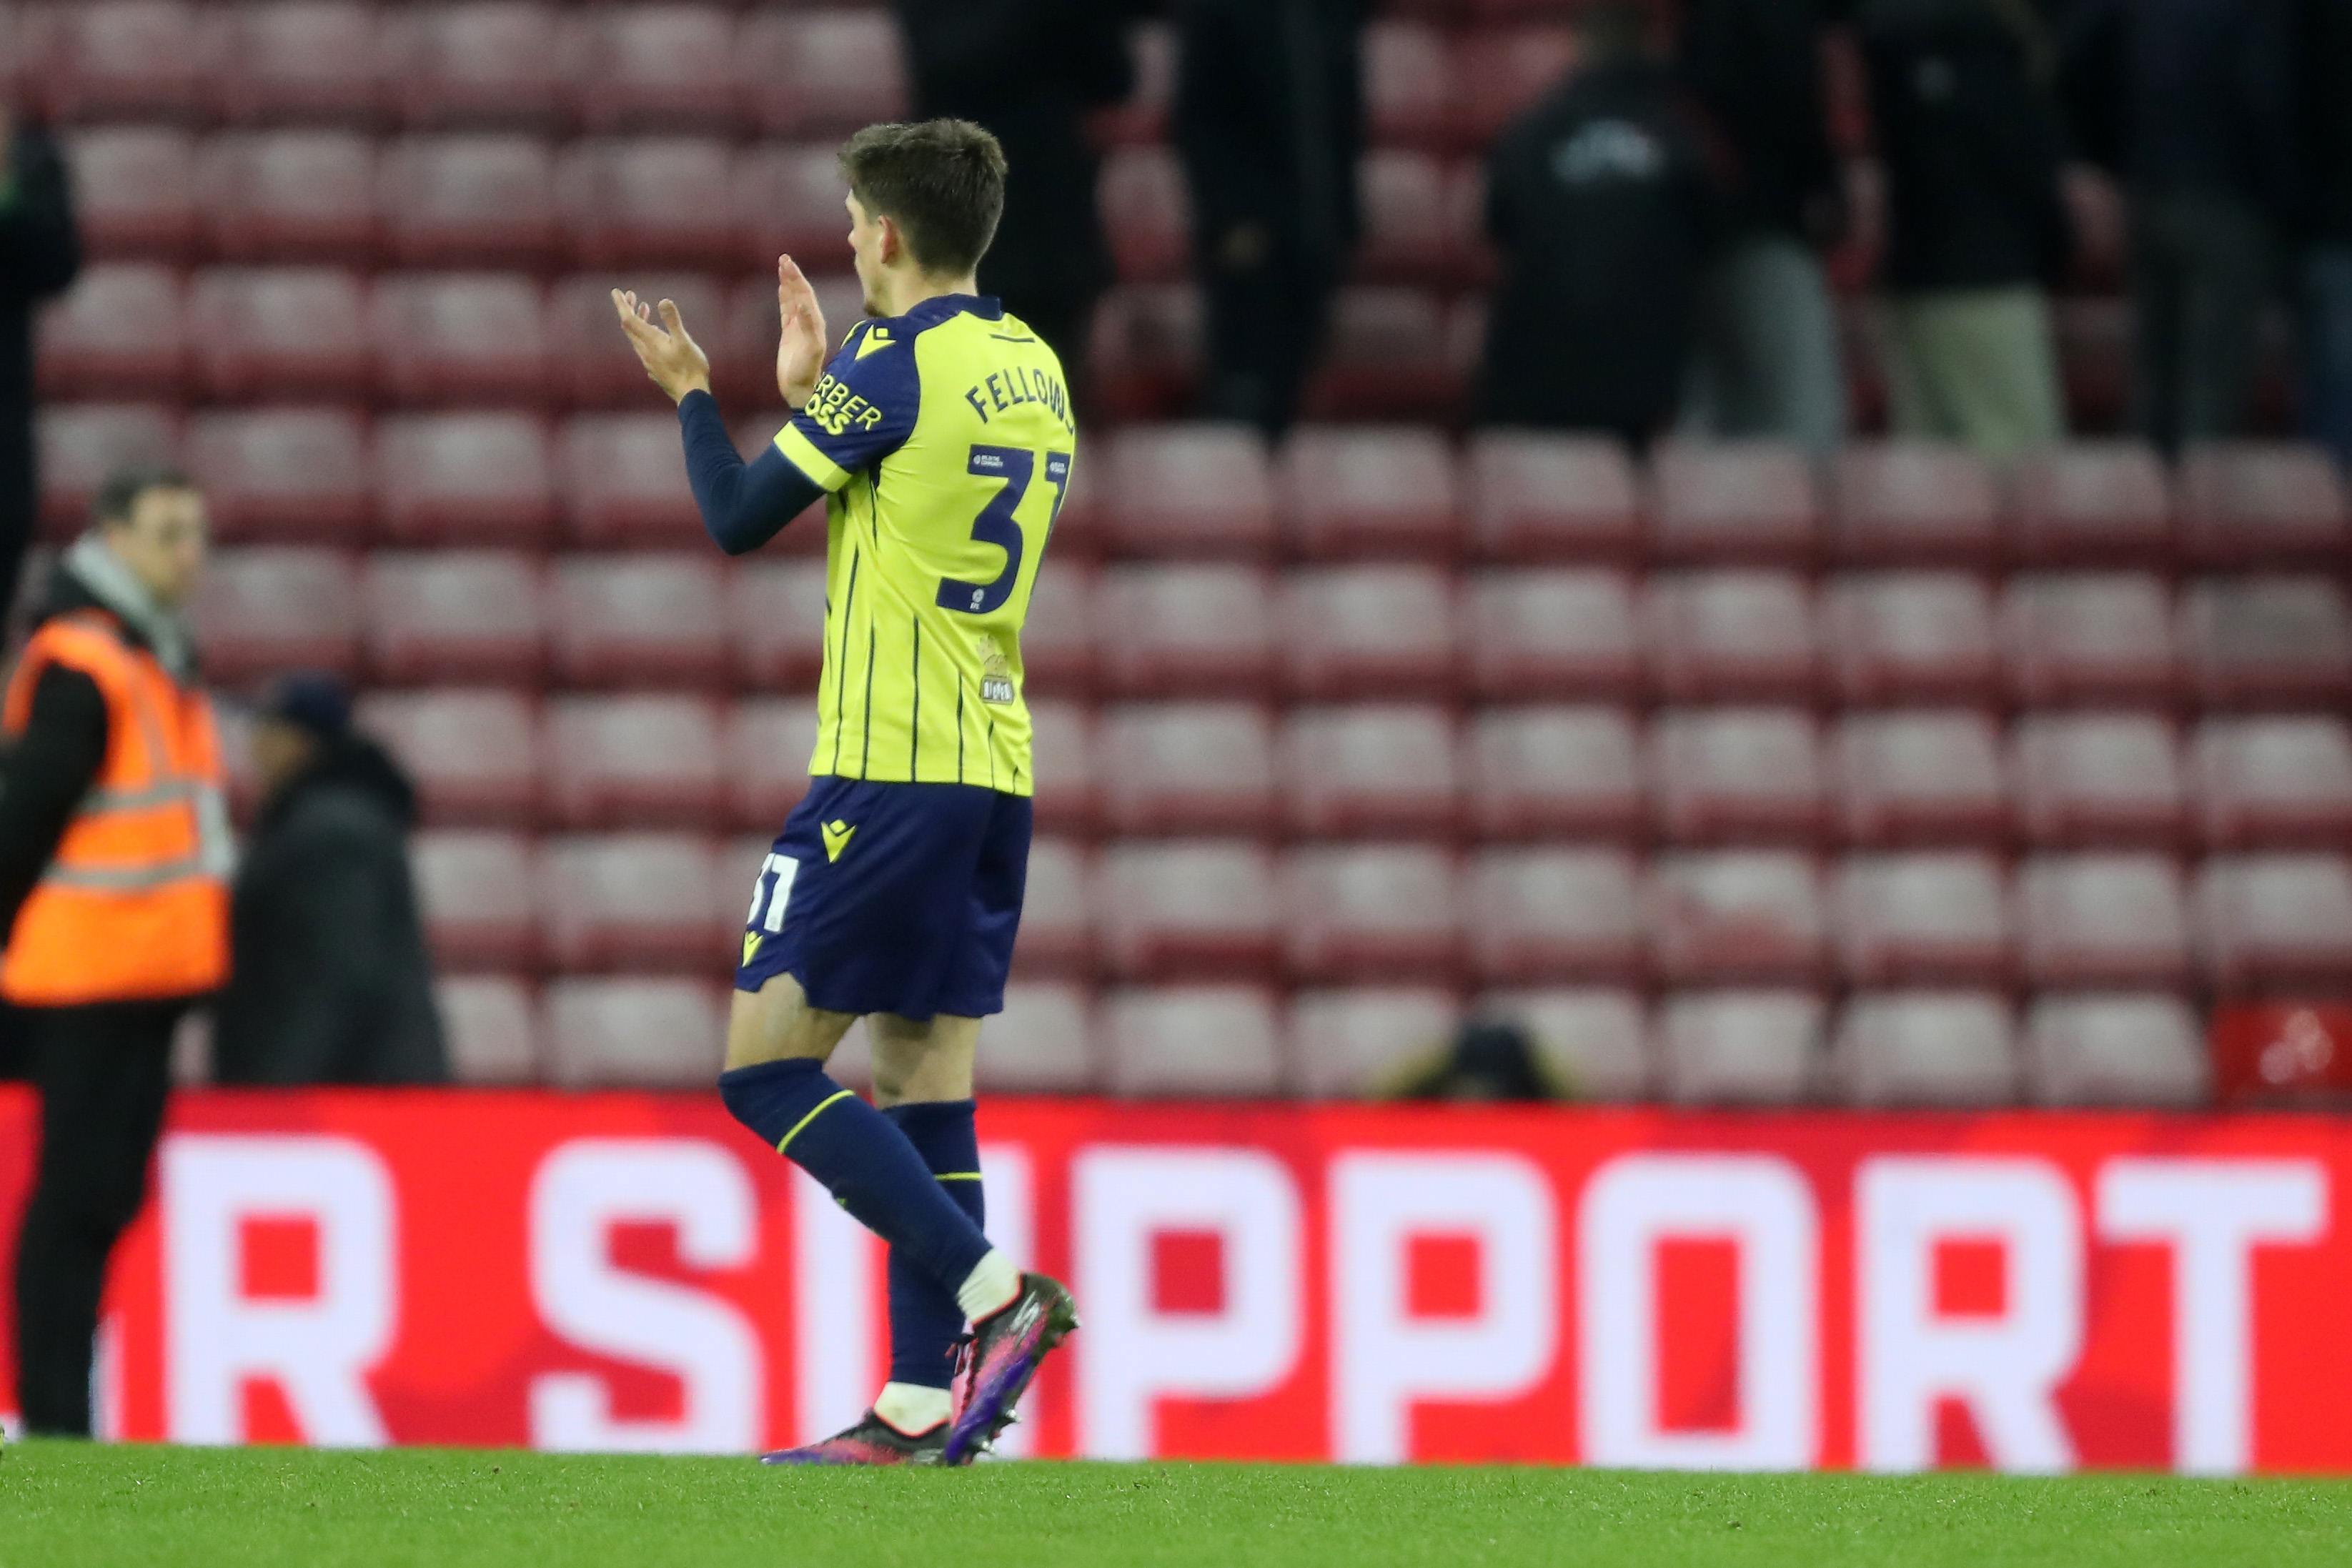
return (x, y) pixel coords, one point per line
(892, 898)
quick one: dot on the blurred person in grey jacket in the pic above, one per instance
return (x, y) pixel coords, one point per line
(331, 981)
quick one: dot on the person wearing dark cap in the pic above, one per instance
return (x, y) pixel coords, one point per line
(331, 982)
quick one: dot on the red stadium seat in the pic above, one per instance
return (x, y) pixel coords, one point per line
(590, 359)
(1042, 1043)
(1405, 235)
(1189, 491)
(1369, 631)
(1145, 350)
(2102, 919)
(297, 62)
(1553, 773)
(479, 892)
(1371, 913)
(637, 761)
(1736, 774)
(655, 67)
(1192, 907)
(1736, 917)
(624, 1032)
(2283, 640)
(623, 482)
(123, 59)
(653, 201)
(1143, 118)
(2273, 921)
(2259, 503)
(1739, 1048)
(767, 744)
(1057, 640)
(475, 755)
(134, 192)
(2091, 501)
(1348, 1043)
(1409, 85)
(1922, 920)
(2136, 1049)
(1568, 633)
(470, 201)
(79, 444)
(818, 73)
(1385, 355)
(639, 620)
(1384, 490)
(1924, 777)
(291, 195)
(1595, 1040)
(1371, 770)
(490, 1024)
(1187, 767)
(1147, 214)
(1192, 1041)
(775, 623)
(1732, 500)
(461, 478)
(788, 200)
(282, 332)
(463, 338)
(1926, 1049)
(2099, 778)
(1057, 913)
(282, 473)
(2273, 781)
(634, 901)
(1185, 631)
(1914, 503)
(455, 615)
(1534, 916)
(259, 612)
(2089, 637)
(1535, 496)
(1912, 637)
(1726, 635)
(1064, 749)
(121, 331)
(476, 63)
(1504, 71)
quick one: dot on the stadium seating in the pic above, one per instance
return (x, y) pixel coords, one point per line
(1145, 349)
(1057, 913)
(2114, 1049)
(1369, 631)
(453, 615)
(1733, 636)
(1736, 774)
(2271, 921)
(626, 1032)
(1189, 491)
(2274, 781)
(1064, 752)
(1187, 767)
(1369, 771)
(1185, 631)
(814, 74)
(1512, 67)
(135, 192)
(775, 622)
(1386, 354)
(1926, 776)
(651, 201)
(639, 620)
(282, 473)
(1914, 502)
(478, 479)
(622, 481)
(1739, 1048)
(1371, 912)
(261, 611)
(1595, 1040)
(1952, 1049)
(477, 63)
(133, 58)
(2103, 919)
(290, 332)
(767, 744)
(1732, 501)
(286, 195)
(1551, 634)
(121, 331)
(465, 338)
(1531, 497)
(1345, 1044)
(636, 902)
(2111, 778)
(641, 761)
(1057, 641)
(1380, 491)
(788, 202)
(490, 1025)
(1409, 85)
(642, 67)
(2089, 637)
(79, 444)
(2268, 641)
(1553, 773)
(590, 363)
(2252, 503)
(1147, 214)
(1912, 637)
(1736, 917)
(1192, 1041)
(1540, 916)
(1042, 1043)
(476, 755)
(1938, 918)
(470, 200)
(479, 890)
(2091, 502)
(1191, 907)
(296, 62)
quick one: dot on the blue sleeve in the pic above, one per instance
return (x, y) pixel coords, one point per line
(863, 410)
(743, 505)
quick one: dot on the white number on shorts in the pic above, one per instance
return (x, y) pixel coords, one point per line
(773, 888)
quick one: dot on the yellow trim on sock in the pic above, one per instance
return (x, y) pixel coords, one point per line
(799, 1126)
(959, 1175)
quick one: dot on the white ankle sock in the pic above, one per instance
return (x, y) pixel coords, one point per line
(910, 1407)
(989, 1287)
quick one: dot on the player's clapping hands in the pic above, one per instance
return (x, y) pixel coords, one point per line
(801, 347)
(675, 360)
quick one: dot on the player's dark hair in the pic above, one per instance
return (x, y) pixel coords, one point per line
(118, 498)
(940, 181)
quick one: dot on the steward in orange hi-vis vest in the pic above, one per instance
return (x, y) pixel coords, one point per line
(134, 903)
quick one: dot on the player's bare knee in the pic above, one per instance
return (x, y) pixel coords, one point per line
(776, 1024)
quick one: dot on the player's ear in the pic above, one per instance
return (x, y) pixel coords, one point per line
(888, 249)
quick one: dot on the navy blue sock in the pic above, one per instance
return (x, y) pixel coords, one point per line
(924, 1318)
(861, 1159)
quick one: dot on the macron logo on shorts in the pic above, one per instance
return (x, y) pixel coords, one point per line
(837, 837)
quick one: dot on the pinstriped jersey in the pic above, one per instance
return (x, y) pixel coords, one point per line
(944, 439)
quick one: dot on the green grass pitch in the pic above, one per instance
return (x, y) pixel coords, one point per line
(68, 1504)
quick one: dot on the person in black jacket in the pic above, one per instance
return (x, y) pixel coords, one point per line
(331, 982)
(1268, 119)
(1598, 202)
(1031, 71)
(40, 252)
(2322, 55)
(1977, 224)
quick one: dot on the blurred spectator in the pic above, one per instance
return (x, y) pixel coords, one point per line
(1482, 1062)
(331, 982)
(1598, 203)
(1961, 98)
(39, 254)
(1268, 120)
(1031, 70)
(2208, 103)
(2323, 51)
(1766, 349)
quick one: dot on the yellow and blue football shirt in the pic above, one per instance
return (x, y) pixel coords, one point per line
(944, 439)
